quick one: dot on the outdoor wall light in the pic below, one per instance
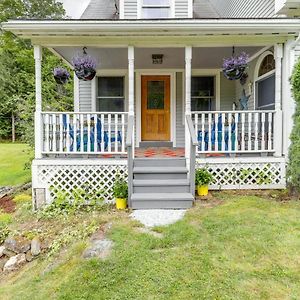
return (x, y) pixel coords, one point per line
(157, 59)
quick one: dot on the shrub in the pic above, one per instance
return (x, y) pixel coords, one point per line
(22, 198)
(120, 188)
(293, 171)
(203, 177)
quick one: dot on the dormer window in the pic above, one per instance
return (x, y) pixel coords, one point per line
(156, 9)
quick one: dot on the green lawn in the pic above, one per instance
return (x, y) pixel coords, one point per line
(246, 247)
(12, 160)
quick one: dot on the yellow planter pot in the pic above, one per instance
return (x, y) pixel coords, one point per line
(121, 203)
(202, 190)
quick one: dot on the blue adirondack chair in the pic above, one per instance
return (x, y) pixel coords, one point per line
(218, 127)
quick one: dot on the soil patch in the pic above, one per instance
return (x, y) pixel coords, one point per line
(7, 205)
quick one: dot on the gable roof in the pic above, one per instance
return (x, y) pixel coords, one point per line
(204, 9)
(101, 9)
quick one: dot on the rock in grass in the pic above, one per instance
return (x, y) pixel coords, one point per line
(29, 256)
(2, 248)
(15, 262)
(35, 247)
(3, 261)
(8, 253)
(98, 248)
(17, 244)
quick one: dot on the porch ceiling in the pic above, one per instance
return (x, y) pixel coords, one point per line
(155, 32)
(173, 58)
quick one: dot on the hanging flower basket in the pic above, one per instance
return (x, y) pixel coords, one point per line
(84, 66)
(234, 67)
(61, 75)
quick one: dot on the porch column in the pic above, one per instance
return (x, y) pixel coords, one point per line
(38, 126)
(278, 54)
(188, 76)
(131, 87)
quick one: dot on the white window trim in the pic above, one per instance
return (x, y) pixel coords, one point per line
(110, 73)
(140, 7)
(257, 78)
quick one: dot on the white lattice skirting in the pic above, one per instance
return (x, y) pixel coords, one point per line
(95, 176)
(245, 173)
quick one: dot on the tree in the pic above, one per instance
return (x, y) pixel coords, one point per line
(17, 89)
(294, 151)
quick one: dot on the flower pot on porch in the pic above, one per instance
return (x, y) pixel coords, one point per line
(234, 73)
(202, 190)
(85, 74)
(121, 203)
(61, 79)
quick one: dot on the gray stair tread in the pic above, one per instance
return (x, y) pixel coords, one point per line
(161, 196)
(160, 182)
(160, 170)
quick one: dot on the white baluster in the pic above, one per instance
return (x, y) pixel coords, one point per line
(81, 132)
(230, 124)
(123, 132)
(116, 132)
(61, 134)
(270, 130)
(196, 124)
(263, 120)
(256, 131)
(88, 133)
(243, 132)
(95, 133)
(102, 133)
(68, 143)
(236, 121)
(209, 131)
(75, 133)
(109, 132)
(249, 131)
(216, 131)
(223, 131)
(47, 133)
(203, 131)
(54, 131)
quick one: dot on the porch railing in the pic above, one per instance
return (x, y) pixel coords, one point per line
(84, 133)
(235, 131)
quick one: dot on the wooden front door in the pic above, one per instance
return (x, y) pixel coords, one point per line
(156, 108)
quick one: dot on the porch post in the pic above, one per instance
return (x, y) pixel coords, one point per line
(188, 74)
(278, 53)
(38, 126)
(131, 85)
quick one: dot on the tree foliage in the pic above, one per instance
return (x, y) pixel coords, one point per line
(294, 152)
(17, 72)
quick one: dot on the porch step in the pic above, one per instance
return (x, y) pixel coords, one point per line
(155, 144)
(158, 162)
(161, 200)
(163, 186)
(161, 183)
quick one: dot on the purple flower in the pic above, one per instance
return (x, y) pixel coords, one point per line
(84, 62)
(61, 72)
(234, 62)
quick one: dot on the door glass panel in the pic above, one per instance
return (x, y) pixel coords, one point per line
(155, 94)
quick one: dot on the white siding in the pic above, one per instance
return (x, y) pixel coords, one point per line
(179, 110)
(244, 8)
(181, 8)
(227, 93)
(130, 9)
(85, 96)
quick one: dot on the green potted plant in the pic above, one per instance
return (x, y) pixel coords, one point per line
(202, 179)
(120, 191)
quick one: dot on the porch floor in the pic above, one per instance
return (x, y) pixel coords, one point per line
(159, 152)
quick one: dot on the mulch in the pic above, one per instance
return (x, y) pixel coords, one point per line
(7, 205)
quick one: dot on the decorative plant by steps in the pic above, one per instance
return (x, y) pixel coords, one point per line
(61, 75)
(84, 66)
(234, 67)
(120, 190)
(202, 179)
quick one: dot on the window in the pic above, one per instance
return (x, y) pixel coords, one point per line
(203, 93)
(110, 94)
(156, 9)
(265, 82)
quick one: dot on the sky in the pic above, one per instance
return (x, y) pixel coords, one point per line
(74, 8)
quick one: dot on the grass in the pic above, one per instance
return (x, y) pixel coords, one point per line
(246, 247)
(12, 160)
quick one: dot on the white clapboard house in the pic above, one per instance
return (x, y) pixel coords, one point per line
(160, 105)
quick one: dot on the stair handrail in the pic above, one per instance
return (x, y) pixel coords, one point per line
(194, 144)
(129, 145)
